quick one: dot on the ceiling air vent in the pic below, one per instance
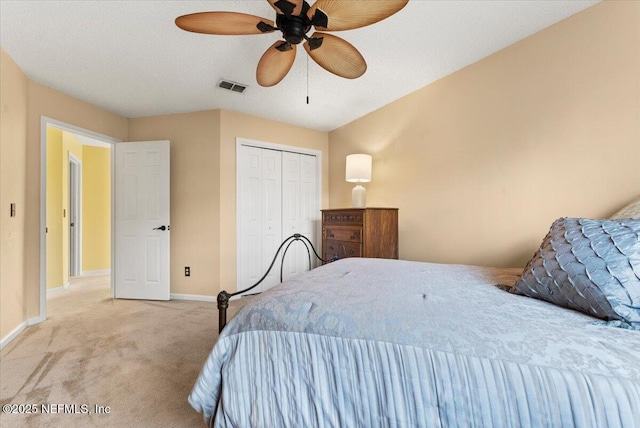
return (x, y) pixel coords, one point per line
(232, 86)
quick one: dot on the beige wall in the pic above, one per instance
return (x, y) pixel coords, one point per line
(236, 125)
(13, 129)
(195, 199)
(481, 162)
(203, 192)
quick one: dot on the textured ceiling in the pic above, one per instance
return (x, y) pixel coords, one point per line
(128, 57)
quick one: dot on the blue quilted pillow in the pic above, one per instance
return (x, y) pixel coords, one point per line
(592, 266)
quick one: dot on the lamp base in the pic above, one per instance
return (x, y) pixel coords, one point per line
(358, 197)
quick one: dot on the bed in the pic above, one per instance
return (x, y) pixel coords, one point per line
(392, 343)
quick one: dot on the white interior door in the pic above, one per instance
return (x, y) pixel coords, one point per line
(142, 220)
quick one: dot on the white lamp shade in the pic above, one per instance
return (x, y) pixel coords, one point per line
(358, 168)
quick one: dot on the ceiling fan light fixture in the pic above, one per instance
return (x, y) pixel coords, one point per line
(294, 19)
(294, 28)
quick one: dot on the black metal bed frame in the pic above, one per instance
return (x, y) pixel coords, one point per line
(223, 296)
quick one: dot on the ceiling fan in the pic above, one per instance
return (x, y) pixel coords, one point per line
(294, 19)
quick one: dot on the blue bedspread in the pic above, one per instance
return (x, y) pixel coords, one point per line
(387, 343)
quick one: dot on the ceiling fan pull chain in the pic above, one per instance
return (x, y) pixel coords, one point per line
(307, 79)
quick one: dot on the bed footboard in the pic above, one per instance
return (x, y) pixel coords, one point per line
(224, 297)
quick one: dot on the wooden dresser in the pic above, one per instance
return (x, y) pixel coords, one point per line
(360, 232)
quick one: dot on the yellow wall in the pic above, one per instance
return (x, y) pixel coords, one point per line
(13, 189)
(481, 162)
(54, 208)
(96, 208)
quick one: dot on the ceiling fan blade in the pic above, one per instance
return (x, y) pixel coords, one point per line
(275, 63)
(347, 15)
(224, 23)
(336, 55)
(287, 7)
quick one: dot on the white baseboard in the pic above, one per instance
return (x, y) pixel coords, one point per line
(199, 298)
(96, 272)
(193, 297)
(58, 289)
(19, 329)
(9, 337)
(36, 320)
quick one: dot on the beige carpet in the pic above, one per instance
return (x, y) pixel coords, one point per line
(139, 358)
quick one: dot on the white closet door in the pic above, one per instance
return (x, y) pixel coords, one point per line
(309, 196)
(260, 205)
(300, 210)
(272, 213)
(277, 196)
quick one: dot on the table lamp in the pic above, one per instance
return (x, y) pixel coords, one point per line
(358, 171)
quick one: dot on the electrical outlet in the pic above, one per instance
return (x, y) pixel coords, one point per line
(187, 271)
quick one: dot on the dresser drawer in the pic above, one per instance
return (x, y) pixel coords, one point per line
(349, 234)
(345, 217)
(342, 249)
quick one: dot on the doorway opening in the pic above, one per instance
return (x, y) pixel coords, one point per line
(76, 239)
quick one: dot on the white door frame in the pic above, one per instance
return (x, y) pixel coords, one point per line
(281, 147)
(44, 122)
(75, 214)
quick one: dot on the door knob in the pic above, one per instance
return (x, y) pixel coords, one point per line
(163, 227)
